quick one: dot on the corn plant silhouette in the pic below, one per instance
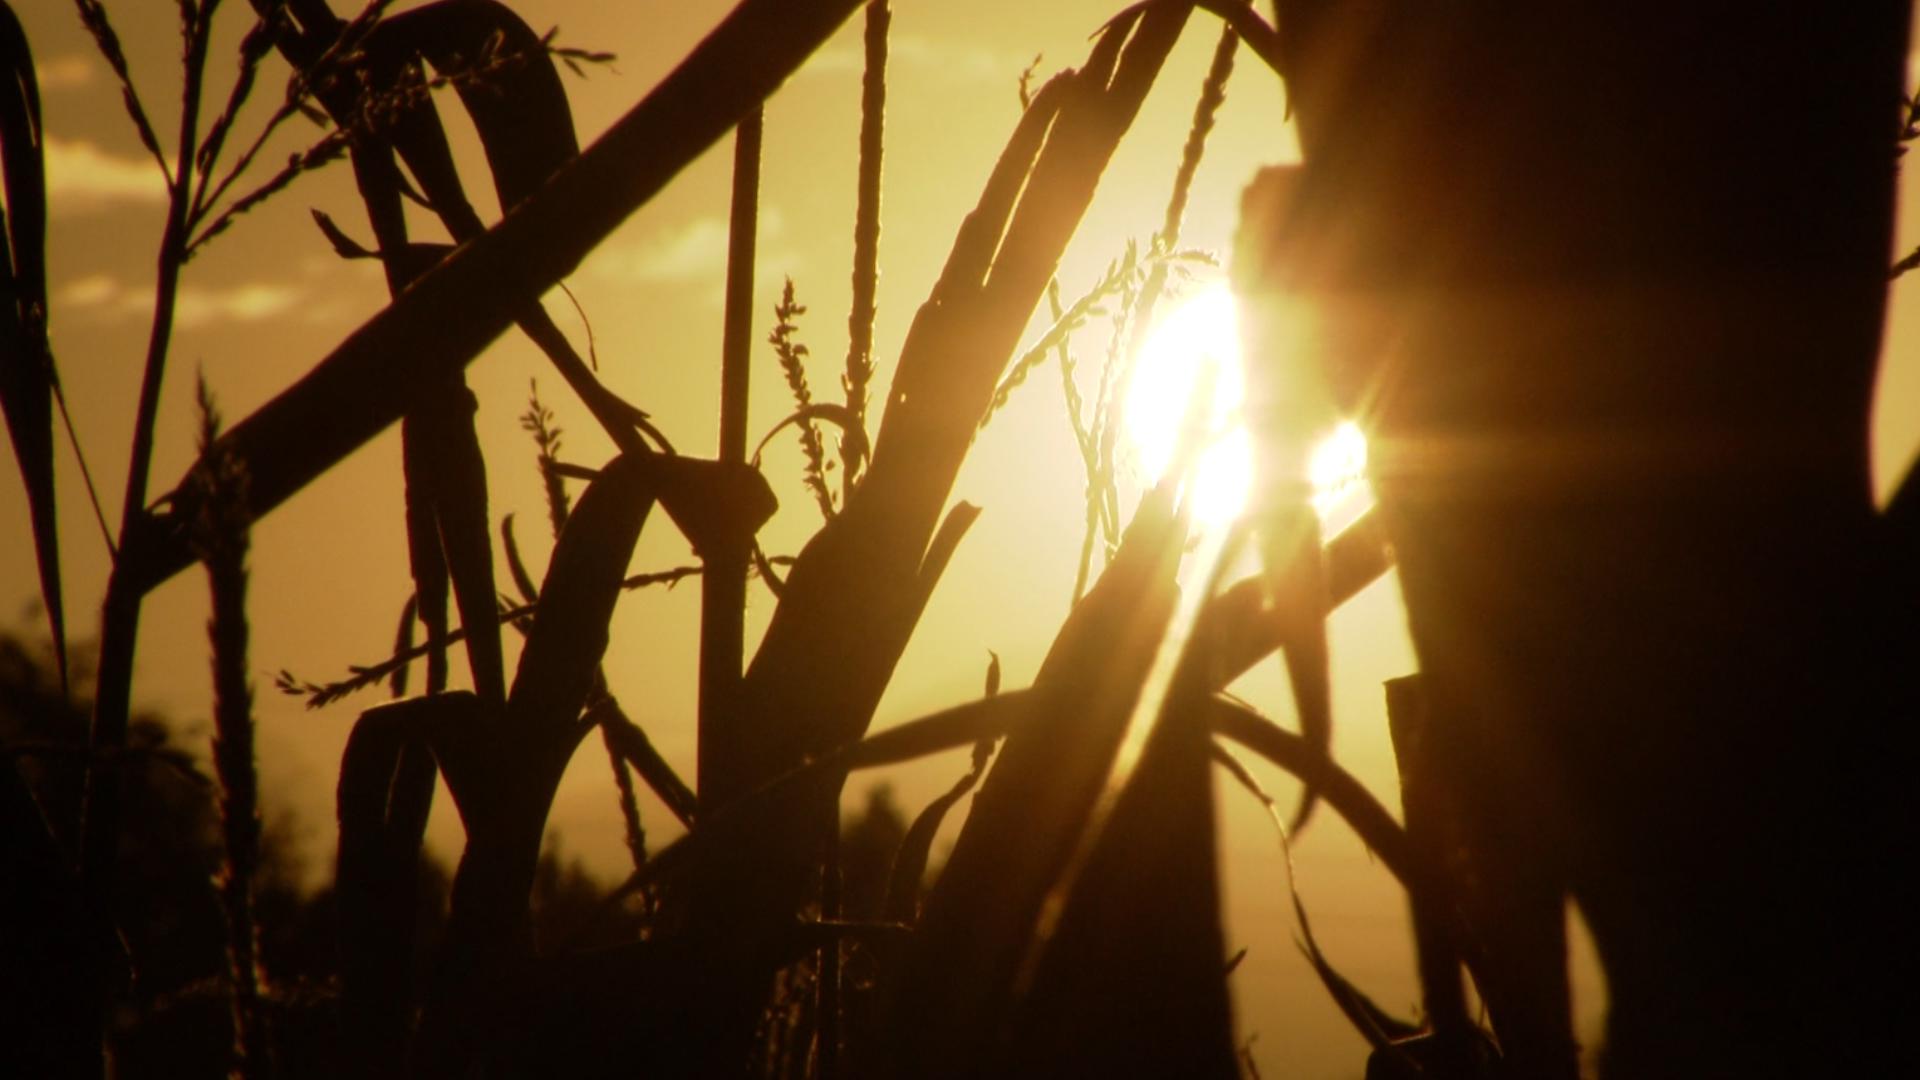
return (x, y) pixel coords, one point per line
(777, 734)
(1076, 926)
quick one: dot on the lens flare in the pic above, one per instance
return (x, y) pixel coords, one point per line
(1197, 347)
(1339, 467)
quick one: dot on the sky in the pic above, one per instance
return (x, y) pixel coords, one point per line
(269, 299)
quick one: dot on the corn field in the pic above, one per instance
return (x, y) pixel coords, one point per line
(1603, 285)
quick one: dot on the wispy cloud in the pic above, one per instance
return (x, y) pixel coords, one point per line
(69, 71)
(958, 60)
(81, 176)
(102, 296)
(691, 253)
(251, 302)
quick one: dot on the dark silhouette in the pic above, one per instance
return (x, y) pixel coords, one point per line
(1606, 281)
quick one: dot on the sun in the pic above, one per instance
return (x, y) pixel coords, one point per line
(1196, 346)
(1195, 349)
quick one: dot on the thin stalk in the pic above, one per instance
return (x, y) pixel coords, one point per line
(86, 473)
(223, 541)
(866, 238)
(1115, 378)
(173, 245)
(120, 615)
(723, 587)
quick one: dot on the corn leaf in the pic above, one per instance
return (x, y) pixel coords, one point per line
(26, 358)
(1133, 979)
(910, 861)
(451, 314)
(983, 914)
(385, 793)
(514, 96)
(569, 633)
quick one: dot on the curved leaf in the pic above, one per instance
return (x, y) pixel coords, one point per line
(1132, 979)
(385, 793)
(453, 313)
(1347, 795)
(403, 645)
(505, 78)
(1032, 814)
(523, 581)
(910, 861)
(458, 480)
(853, 435)
(26, 359)
(1240, 626)
(569, 632)
(627, 739)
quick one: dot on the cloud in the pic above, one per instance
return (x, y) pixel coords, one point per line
(90, 291)
(688, 252)
(251, 302)
(102, 296)
(691, 253)
(81, 176)
(68, 72)
(960, 61)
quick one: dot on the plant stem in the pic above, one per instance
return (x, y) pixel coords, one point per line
(866, 236)
(723, 587)
(120, 615)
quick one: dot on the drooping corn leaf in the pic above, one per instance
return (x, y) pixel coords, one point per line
(510, 86)
(956, 987)
(910, 861)
(1241, 631)
(569, 633)
(512, 93)
(1348, 796)
(630, 741)
(26, 359)
(426, 560)
(504, 769)
(458, 483)
(385, 793)
(1297, 580)
(516, 567)
(440, 324)
(447, 522)
(1133, 979)
(403, 645)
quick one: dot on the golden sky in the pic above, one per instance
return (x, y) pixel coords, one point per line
(329, 568)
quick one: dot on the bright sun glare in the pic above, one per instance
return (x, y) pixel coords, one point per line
(1196, 345)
